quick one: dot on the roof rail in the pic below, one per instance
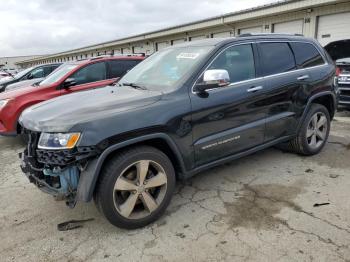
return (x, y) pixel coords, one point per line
(267, 34)
(113, 54)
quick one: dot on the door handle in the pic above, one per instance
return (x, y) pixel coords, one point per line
(254, 89)
(304, 77)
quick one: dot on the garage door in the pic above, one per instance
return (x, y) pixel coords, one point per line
(117, 51)
(333, 27)
(291, 27)
(139, 49)
(221, 34)
(178, 41)
(194, 38)
(161, 45)
(126, 50)
(257, 29)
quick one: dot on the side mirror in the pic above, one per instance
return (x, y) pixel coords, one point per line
(213, 78)
(69, 82)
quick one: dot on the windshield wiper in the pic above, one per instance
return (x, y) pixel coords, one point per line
(133, 85)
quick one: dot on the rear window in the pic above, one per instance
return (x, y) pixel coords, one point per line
(306, 55)
(276, 58)
(118, 68)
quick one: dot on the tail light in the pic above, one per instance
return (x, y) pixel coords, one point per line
(337, 71)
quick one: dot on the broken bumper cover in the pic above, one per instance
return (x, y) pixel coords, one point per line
(36, 176)
(58, 173)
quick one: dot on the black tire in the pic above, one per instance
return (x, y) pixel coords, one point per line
(300, 143)
(105, 195)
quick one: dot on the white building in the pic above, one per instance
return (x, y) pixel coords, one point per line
(326, 20)
(9, 63)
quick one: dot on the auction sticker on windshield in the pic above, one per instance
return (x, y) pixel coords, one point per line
(187, 55)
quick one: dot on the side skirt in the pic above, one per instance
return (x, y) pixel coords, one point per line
(235, 156)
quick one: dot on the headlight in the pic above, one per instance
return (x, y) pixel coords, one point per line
(3, 102)
(58, 140)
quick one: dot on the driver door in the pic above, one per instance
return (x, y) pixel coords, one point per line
(229, 119)
(91, 76)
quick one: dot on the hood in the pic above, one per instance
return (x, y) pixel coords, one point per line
(7, 80)
(338, 49)
(24, 83)
(18, 92)
(62, 113)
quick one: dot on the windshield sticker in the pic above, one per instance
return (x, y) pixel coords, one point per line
(187, 56)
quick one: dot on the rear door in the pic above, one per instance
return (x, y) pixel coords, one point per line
(118, 68)
(230, 119)
(281, 87)
(90, 76)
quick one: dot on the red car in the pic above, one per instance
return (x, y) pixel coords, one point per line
(68, 78)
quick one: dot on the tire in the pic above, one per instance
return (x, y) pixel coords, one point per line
(302, 144)
(118, 188)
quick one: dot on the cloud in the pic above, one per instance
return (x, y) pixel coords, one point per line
(50, 26)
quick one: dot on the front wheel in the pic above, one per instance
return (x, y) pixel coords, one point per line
(313, 133)
(135, 187)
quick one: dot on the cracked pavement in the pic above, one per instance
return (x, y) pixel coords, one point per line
(258, 208)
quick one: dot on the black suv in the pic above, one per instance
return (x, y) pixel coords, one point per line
(186, 108)
(34, 72)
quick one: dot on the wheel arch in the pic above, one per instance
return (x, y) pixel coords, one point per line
(161, 141)
(327, 99)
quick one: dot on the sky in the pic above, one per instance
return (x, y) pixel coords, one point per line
(35, 27)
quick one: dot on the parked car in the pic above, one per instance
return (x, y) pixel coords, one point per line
(25, 83)
(4, 74)
(186, 108)
(29, 73)
(69, 78)
(11, 71)
(340, 53)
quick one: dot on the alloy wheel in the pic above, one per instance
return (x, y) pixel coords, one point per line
(317, 130)
(140, 189)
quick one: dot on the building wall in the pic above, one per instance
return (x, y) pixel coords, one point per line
(306, 10)
(10, 62)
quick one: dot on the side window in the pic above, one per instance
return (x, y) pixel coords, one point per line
(47, 70)
(118, 68)
(238, 61)
(306, 55)
(276, 58)
(90, 73)
(37, 73)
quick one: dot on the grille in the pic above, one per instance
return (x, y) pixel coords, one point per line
(55, 157)
(64, 157)
(345, 92)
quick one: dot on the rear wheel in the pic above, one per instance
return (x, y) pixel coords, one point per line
(136, 187)
(313, 133)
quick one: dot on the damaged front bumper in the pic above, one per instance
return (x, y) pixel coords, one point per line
(57, 172)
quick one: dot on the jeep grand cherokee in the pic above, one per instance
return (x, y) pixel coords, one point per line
(185, 109)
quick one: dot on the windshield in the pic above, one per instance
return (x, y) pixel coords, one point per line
(24, 72)
(57, 74)
(165, 69)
